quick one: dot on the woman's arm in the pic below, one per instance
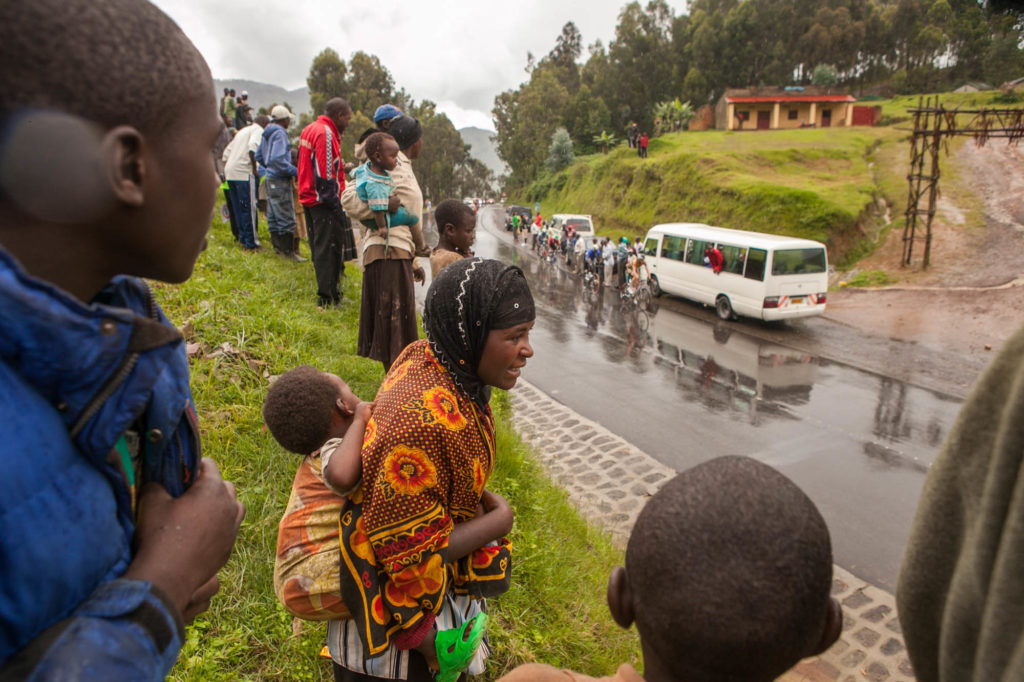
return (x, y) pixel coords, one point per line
(494, 524)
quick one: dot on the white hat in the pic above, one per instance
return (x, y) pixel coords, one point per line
(280, 112)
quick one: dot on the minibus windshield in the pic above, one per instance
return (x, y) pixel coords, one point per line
(798, 261)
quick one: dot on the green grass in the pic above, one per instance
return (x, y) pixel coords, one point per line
(264, 307)
(871, 278)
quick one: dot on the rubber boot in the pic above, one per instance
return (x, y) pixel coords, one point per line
(295, 250)
(281, 243)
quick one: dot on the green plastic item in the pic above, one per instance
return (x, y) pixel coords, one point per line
(457, 647)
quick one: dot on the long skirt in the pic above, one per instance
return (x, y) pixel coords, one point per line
(387, 317)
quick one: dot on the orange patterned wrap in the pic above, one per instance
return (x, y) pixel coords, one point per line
(424, 470)
(306, 578)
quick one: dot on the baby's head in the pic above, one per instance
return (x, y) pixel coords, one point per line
(382, 150)
(457, 224)
(728, 575)
(305, 407)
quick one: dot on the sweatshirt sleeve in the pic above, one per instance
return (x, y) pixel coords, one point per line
(125, 630)
(278, 158)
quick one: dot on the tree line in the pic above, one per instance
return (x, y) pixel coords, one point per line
(658, 59)
(444, 168)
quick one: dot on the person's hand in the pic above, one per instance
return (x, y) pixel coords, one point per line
(363, 411)
(393, 203)
(418, 274)
(182, 543)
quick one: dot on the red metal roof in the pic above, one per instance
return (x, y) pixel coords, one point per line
(793, 98)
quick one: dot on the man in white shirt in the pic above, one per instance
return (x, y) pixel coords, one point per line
(579, 248)
(243, 178)
(608, 252)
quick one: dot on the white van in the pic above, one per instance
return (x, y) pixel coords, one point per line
(765, 276)
(582, 224)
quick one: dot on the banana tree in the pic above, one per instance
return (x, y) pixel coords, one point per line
(672, 115)
(604, 141)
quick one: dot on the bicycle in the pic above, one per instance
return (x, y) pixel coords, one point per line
(640, 297)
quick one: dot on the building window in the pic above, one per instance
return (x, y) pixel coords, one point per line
(792, 114)
(743, 115)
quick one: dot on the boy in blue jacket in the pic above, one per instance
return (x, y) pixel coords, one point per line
(112, 527)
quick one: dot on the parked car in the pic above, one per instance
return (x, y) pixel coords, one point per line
(522, 211)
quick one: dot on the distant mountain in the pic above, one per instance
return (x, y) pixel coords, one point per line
(264, 94)
(483, 148)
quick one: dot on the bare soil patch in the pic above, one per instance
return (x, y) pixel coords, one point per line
(971, 299)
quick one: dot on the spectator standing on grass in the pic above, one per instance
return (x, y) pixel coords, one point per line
(633, 135)
(387, 316)
(112, 526)
(242, 176)
(243, 115)
(321, 182)
(223, 103)
(228, 107)
(274, 154)
(644, 141)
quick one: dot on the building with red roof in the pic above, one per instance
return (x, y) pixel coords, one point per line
(774, 108)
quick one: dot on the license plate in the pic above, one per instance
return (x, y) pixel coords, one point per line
(796, 299)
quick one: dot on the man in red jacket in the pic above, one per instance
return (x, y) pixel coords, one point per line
(321, 181)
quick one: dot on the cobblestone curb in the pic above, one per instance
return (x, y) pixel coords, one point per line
(609, 481)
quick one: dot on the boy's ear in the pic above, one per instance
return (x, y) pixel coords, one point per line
(620, 598)
(344, 409)
(448, 226)
(833, 627)
(122, 154)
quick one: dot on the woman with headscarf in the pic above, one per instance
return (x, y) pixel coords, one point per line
(422, 542)
(387, 318)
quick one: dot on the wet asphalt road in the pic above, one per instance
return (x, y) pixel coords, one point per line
(685, 388)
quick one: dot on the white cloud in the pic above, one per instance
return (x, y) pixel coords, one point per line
(458, 53)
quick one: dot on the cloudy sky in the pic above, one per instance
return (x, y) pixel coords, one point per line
(458, 53)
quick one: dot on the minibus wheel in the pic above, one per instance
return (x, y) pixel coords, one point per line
(724, 308)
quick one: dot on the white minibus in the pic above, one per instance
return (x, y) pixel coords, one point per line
(765, 276)
(582, 224)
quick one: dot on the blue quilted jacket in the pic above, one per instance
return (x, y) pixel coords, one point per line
(74, 379)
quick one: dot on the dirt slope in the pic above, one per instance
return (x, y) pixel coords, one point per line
(971, 299)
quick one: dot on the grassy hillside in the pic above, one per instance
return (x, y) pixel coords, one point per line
(829, 184)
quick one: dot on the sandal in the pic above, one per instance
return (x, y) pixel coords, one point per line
(457, 647)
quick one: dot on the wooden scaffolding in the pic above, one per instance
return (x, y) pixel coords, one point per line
(933, 126)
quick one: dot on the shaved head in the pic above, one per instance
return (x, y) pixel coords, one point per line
(114, 62)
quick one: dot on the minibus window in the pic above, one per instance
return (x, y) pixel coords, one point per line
(673, 248)
(651, 247)
(695, 251)
(798, 261)
(755, 264)
(732, 258)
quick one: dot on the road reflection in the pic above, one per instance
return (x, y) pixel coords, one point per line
(684, 391)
